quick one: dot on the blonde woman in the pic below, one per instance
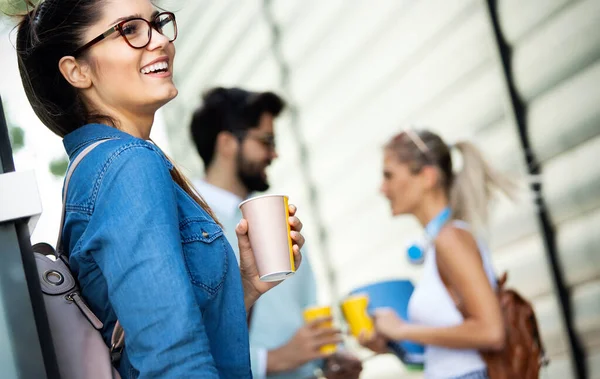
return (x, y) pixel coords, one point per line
(419, 179)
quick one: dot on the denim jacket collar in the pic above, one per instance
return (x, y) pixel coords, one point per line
(90, 133)
(87, 134)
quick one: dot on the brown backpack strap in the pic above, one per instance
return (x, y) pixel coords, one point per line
(501, 281)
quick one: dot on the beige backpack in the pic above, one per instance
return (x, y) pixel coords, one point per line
(78, 344)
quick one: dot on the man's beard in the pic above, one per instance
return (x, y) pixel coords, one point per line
(250, 173)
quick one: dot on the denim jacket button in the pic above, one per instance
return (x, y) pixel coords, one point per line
(205, 234)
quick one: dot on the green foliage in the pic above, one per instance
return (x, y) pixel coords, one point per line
(14, 7)
(17, 137)
(58, 167)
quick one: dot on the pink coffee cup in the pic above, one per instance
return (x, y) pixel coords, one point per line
(269, 233)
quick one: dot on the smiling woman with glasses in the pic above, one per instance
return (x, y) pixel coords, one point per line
(145, 247)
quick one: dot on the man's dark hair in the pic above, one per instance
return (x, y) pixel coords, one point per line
(232, 110)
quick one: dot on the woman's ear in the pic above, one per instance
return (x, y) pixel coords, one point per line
(430, 176)
(77, 74)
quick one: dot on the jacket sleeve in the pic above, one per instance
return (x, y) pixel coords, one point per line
(133, 235)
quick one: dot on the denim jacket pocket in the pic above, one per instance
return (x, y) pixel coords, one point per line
(205, 253)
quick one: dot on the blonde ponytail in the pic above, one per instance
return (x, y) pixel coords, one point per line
(475, 185)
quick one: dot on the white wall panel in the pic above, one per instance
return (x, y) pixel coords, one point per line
(502, 147)
(344, 48)
(240, 19)
(569, 40)
(572, 181)
(566, 116)
(512, 220)
(519, 17)
(309, 28)
(578, 241)
(559, 368)
(196, 21)
(454, 57)
(552, 331)
(253, 46)
(393, 55)
(556, 69)
(526, 265)
(594, 365)
(586, 301)
(466, 106)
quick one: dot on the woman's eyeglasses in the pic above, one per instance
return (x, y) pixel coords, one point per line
(137, 32)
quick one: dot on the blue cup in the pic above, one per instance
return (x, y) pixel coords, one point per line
(395, 294)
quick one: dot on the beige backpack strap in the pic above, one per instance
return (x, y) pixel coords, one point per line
(72, 167)
(117, 340)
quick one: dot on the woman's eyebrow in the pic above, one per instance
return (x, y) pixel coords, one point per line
(137, 15)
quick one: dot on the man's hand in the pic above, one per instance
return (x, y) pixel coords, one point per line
(303, 347)
(342, 365)
(374, 341)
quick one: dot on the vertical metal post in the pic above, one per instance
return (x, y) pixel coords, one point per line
(27, 351)
(518, 113)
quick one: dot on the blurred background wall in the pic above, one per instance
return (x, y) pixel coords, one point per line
(355, 72)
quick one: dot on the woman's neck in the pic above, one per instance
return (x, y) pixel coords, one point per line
(430, 208)
(138, 123)
(135, 124)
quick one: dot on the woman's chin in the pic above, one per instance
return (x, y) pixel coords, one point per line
(171, 93)
(165, 97)
(399, 211)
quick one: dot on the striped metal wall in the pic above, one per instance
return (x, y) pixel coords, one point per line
(356, 70)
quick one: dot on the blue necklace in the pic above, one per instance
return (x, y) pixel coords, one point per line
(416, 252)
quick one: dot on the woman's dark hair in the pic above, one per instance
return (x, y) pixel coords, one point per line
(47, 32)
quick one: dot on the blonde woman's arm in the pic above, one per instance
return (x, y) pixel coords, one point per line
(460, 265)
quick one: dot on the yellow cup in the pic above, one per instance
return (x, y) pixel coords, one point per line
(354, 309)
(315, 312)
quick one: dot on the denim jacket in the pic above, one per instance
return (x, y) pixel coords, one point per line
(146, 254)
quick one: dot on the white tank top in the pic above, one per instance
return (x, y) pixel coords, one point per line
(431, 305)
